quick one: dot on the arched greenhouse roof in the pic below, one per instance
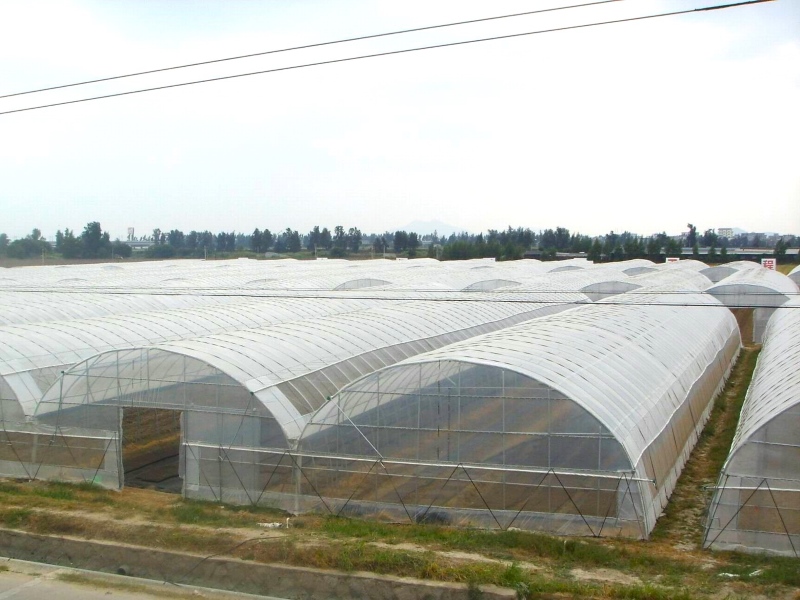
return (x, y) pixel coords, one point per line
(719, 272)
(756, 501)
(35, 307)
(32, 355)
(688, 279)
(628, 365)
(754, 288)
(775, 387)
(291, 367)
(794, 275)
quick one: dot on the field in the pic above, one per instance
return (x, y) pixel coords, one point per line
(670, 565)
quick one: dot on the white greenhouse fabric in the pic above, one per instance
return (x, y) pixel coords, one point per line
(260, 359)
(749, 288)
(756, 505)
(794, 275)
(647, 371)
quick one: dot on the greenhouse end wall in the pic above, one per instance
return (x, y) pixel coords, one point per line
(756, 504)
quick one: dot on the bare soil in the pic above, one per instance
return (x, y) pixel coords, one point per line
(671, 564)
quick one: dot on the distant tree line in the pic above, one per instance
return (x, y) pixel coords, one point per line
(508, 244)
(93, 242)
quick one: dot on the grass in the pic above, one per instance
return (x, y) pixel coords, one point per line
(684, 512)
(124, 586)
(151, 519)
(348, 545)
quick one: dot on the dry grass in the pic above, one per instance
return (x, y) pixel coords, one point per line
(670, 565)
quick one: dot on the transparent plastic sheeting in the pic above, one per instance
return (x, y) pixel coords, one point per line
(578, 422)
(33, 355)
(756, 505)
(271, 377)
(794, 275)
(34, 307)
(759, 289)
(251, 276)
(718, 273)
(219, 276)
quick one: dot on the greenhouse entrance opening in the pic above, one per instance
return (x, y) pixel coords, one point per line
(151, 440)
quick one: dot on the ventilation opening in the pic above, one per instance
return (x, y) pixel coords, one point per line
(744, 317)
(151, 440)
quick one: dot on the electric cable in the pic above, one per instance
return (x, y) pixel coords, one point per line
(390, 53)
(306, 46)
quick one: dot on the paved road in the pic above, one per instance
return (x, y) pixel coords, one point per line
(23, 580)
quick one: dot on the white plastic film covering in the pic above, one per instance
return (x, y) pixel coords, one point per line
(608, 393)
(290, 367)
(756, 505)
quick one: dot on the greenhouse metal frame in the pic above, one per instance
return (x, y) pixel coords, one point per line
(756, 503)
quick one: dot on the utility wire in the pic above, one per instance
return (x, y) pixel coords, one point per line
(329, 295)
(317, 45)
(394, 52)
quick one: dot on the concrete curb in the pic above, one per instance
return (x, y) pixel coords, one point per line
(229, 573)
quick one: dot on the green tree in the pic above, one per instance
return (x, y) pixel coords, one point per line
(596, 252)
(160, 251)
(96, 242)
(691, 237)
(653, 248)
(400, 242)
(256, 242)
(121, 249)
(354, 239)
(610, 243)
(709, 238)
(293, 243)
(314, 238)
(325, 239)
(176, 239)
(28, 247)
(672, 248)
(379, 244)
(780, 250)
(3, 243)
(339, 237)
(413, 243)
(71, 247)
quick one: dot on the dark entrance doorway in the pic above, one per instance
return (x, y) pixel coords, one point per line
(151, 440)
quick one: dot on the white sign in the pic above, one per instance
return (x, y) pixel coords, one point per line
(769, 263)
(671, 259)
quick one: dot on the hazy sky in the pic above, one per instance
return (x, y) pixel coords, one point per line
(641, 126)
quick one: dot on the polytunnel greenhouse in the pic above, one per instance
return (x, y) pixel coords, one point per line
(558, 396)
(240, 389)
(756, 505)
(794, 275)
(576, 423)
(758, 290)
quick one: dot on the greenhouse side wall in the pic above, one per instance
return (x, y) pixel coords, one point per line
(495, 450)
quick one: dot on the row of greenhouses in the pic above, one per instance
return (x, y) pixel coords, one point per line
(562, 396)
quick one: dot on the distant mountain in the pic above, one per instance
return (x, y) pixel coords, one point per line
(425, 227)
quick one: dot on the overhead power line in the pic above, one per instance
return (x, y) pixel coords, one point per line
(394, 52)
(624, 297)
(316, 45)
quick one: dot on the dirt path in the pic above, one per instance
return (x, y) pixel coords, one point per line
(682, 525)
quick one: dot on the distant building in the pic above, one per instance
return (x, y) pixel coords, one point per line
(726, 232)
(138, 245)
